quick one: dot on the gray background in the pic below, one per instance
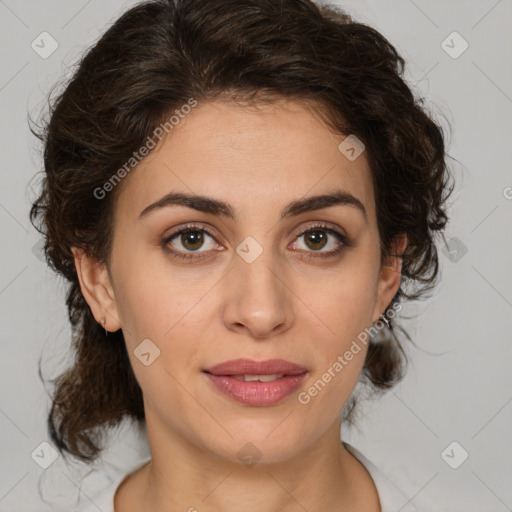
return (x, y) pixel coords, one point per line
(459, 383)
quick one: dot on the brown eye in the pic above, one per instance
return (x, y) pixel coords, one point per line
(192, 240)
(189, 240)
(315, 239)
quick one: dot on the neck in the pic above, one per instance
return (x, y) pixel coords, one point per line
(182, 476)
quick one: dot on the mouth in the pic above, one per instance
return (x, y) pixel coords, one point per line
(256, 383)
(249, 367)
(261, 378)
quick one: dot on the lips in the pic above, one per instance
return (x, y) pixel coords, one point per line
(237, 367)
(256, 383)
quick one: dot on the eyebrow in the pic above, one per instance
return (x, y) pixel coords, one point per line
(220, 208)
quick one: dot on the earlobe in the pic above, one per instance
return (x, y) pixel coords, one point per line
(97, 289)
(390, 277)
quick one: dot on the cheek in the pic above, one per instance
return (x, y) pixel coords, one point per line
(149, 300)
(340, 316)
(169, 314)
(344, 301)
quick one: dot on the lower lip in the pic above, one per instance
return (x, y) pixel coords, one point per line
(257, 393)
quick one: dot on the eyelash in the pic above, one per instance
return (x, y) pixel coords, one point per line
(344, 242)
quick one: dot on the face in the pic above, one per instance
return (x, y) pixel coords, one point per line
(255, 279)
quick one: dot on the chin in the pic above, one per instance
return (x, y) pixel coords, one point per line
(261, 448)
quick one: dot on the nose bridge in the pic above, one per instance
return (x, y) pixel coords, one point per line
(257, 268)
(258, 298)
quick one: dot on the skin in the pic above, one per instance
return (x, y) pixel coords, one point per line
(204, 311)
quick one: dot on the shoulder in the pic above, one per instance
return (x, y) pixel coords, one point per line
(104, 500)
(390, 496)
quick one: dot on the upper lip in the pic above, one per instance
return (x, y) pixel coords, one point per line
(252, 367)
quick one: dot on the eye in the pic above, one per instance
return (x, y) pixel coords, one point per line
(188, 240)
(318, 237)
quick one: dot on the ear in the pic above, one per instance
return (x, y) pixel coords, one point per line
(97, 289)
(390, 274)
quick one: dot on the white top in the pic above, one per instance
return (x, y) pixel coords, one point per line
(391, 498)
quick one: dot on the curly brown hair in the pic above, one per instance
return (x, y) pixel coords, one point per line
(154, 58)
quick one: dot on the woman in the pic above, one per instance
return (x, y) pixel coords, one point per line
(237, 192)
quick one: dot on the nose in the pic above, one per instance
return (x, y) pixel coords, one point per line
(258, 297)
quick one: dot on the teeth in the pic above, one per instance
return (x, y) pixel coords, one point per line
(261, 378)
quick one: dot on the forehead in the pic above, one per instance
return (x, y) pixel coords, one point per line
(262, 156)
